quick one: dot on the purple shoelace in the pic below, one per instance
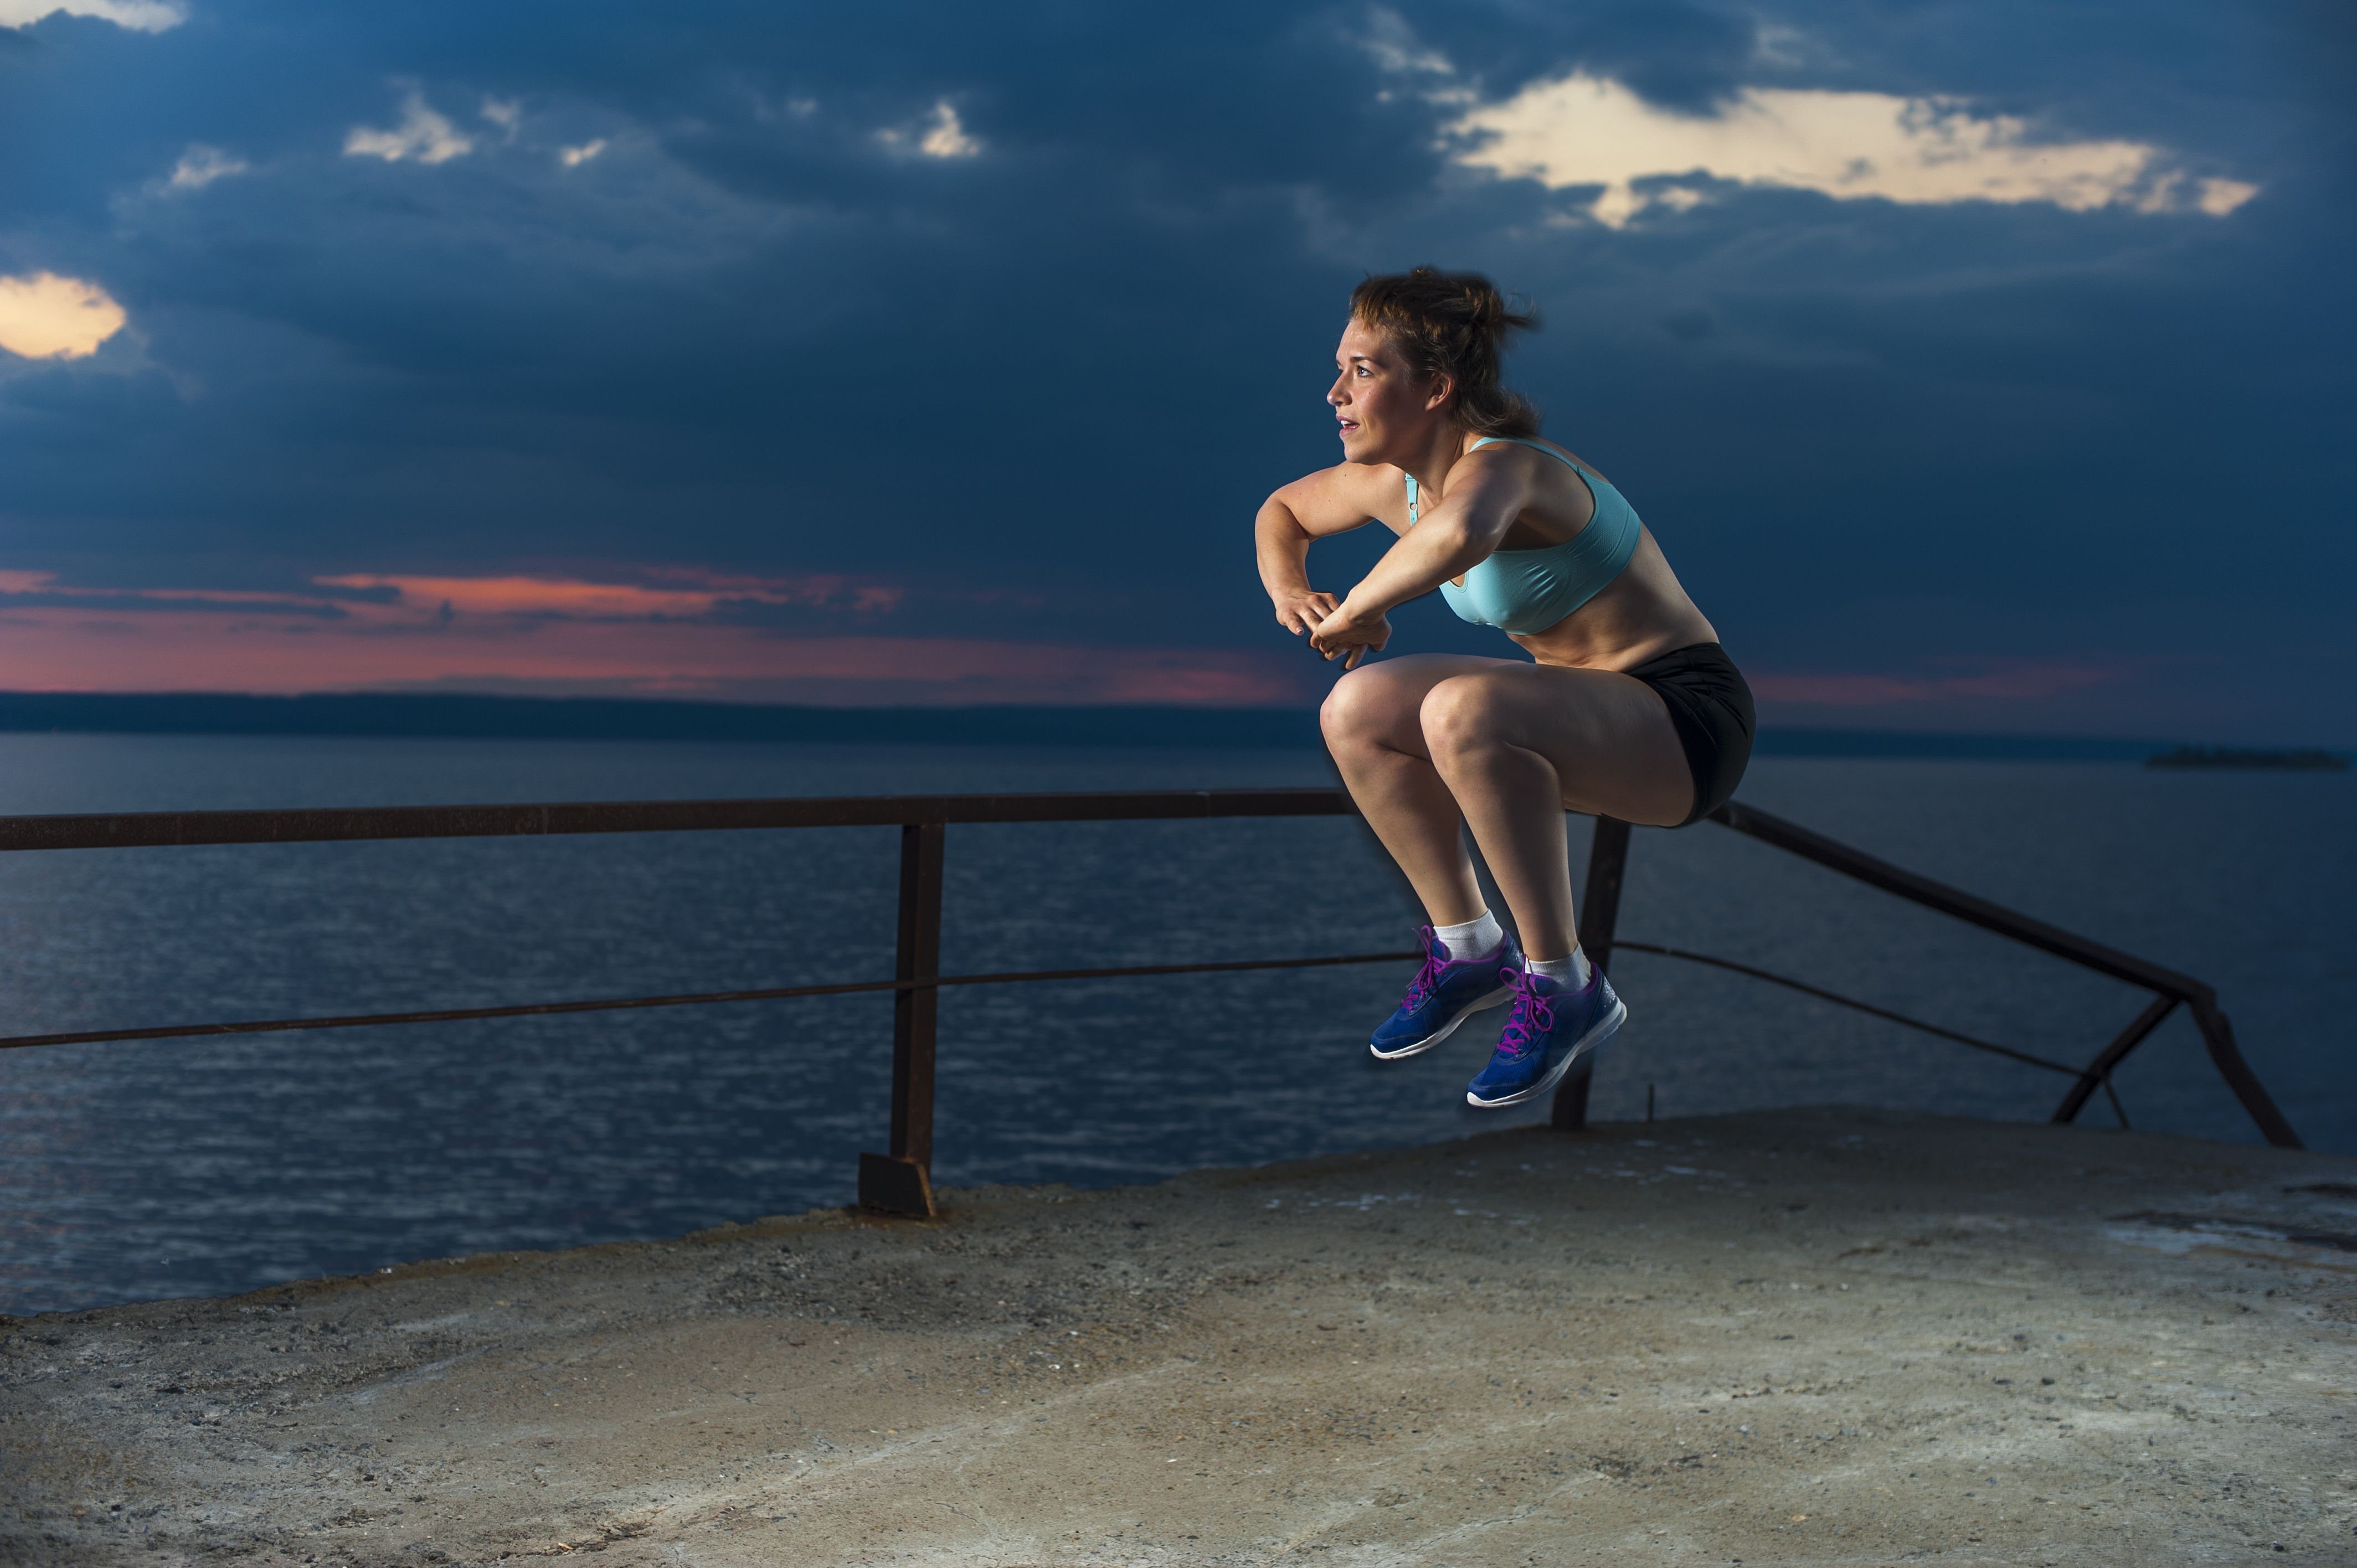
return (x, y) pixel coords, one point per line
(1427, 978)
(1531, 1019)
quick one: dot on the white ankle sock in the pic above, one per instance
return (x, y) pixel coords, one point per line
(1472, 939)
(1572, 972)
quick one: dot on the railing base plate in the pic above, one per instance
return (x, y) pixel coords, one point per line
(890, 1186)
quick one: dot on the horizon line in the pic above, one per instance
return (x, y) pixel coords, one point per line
(413, 714)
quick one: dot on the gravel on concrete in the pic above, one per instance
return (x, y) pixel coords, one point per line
(1812, 1336)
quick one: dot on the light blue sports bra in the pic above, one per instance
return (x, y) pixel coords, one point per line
(1528, 591)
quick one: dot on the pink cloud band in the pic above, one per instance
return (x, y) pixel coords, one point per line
(525, 633)
(670, 633)
(408, 597)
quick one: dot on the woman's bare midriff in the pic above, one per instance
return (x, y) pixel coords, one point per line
(1642, 614)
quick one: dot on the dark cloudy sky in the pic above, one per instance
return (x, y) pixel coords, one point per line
(1980, 365)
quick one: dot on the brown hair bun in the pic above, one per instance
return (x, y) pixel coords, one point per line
(1456, 324)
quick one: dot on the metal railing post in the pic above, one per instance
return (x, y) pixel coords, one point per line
(2227, 1058)
(1599, 911)
(901, 1182)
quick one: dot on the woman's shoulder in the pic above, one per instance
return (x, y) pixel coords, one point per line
(1535, 449)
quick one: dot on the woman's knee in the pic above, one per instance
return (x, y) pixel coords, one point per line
(1366, 706)
(1459, 717)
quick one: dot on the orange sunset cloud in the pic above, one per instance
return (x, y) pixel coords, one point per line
(572, 597)
(380, 632)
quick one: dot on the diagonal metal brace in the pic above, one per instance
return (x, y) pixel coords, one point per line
(2097, 1074)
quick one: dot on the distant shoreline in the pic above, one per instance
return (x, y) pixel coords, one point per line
(2297, 759)
(439, 716)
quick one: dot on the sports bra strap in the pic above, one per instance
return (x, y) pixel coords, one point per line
(1534, 446)
(1576, 466)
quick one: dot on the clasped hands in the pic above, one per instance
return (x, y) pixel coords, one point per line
(1332, 630)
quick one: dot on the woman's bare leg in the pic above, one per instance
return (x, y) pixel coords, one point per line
(1516, 745)
(1374, 727)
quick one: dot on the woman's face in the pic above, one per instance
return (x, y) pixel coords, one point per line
(1387, 410)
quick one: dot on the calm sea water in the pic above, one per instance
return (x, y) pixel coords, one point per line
(147, 1170)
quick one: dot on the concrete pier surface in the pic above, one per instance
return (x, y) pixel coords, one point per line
(1814, 1336)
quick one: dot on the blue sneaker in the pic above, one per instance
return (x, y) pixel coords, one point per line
(1551, 1027)
(1444, 994)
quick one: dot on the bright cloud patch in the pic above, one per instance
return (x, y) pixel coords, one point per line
(1590, 130)
(45, 317)
(200, 165)
(945, 137)
(941, 136)
(573, 158)
(139, 15)
(422, 135)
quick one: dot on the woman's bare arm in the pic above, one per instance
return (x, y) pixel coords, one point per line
(1329, 501)
(1484, 498)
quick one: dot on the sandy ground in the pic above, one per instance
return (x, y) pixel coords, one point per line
(1803, 1338)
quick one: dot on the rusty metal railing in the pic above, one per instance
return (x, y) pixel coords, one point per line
(1607, 858)
(900, 1180)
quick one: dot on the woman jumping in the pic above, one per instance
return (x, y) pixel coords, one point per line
(1631, 710)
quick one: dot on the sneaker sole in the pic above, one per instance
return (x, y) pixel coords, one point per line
(1425, 1044)
(1587, 1045)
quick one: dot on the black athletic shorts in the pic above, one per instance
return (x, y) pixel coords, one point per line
(1711, 707)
